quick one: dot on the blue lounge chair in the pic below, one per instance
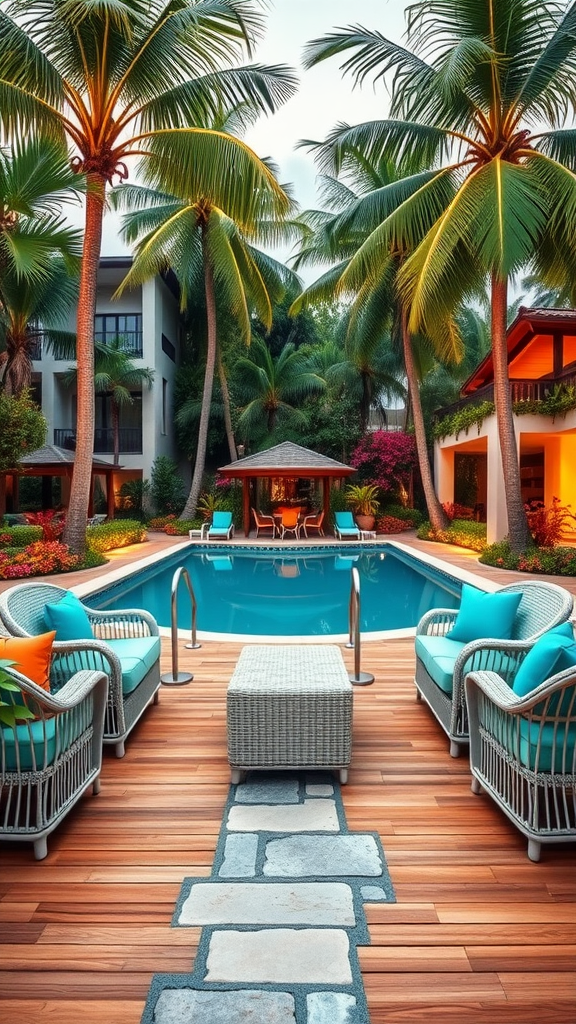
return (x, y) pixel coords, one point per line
(344, 525)
(221, 526)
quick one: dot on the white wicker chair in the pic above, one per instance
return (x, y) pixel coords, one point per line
(542, 606)
(22, 613)
(49, 762)
(523, 753)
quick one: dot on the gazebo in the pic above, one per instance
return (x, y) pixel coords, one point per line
(50, 461)
(284, 462)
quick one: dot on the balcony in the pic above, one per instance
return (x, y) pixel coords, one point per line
(130, 440)
(521, 391)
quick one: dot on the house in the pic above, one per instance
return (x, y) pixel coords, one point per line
(148, 320)
(542, 370)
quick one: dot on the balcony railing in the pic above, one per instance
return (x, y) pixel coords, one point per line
(130, 440)
(520, 391)
(130, 342)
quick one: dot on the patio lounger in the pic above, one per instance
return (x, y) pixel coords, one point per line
(344, 526)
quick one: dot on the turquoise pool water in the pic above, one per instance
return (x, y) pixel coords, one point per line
(275, 592)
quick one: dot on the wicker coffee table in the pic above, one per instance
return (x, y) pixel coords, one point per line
(289, 706)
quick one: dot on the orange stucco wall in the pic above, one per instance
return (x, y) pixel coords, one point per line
(536, 360)
(560, 478)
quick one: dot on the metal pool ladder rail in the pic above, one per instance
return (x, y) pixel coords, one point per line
(176, 678)
(357, 677)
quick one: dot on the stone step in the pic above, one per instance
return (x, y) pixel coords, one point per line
(294, 903)
(298, 856)
(312, 956)
(310, 816)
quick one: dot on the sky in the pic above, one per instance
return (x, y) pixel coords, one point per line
(324, 97)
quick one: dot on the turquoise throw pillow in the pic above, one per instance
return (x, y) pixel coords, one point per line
(484, 616)
(552, 652)
(69, 619)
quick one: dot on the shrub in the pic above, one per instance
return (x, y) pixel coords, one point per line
(558, 561)
(385, 458)
(180, 527)
(464, 532)
(547, 524)
(132, 495)
(37, 559)
(20, 536)
(159, 522)
(412, 516)
(166, 486)
(117, 534)
(456, 511)
(390, 524)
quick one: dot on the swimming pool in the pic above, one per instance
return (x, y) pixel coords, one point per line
(287, 592)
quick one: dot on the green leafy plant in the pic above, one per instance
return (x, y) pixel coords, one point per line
(362, 499)
(558, 561)
(117, 534)
(464, 532)
(10, 711)
(180, 527)
(461, 420)
(166, 487)
(20, 536)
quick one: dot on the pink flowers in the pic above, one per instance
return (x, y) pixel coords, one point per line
(386, 458)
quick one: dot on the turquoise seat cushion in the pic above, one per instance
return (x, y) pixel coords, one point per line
(538, 747)
(438, 655)
(554, 649)
(137, 656)
(484, 615)
(353, 532)
(36, 744)
(68, 617)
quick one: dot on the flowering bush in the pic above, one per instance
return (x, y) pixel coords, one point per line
(51, 523)
(116, 534)
(37, 559)
(159, 522)
(180, 527)
(558, 561)
(464, 532)
(385, 458)
(455, 511)
(547, 524)
(390, 524)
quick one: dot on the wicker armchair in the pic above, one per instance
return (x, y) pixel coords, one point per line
(22, 613)
(47, 763)
(542, 606)
(523, 753)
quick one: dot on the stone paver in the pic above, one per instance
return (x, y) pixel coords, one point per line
(268, 791)
(280, 955)
(299, 856)
(331, 1008)
(373, 893)
(189, 1006)
(311, 816)
(319, 789)
(239, 856)
(318, 903)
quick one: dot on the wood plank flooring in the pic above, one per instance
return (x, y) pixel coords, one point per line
(479, 934)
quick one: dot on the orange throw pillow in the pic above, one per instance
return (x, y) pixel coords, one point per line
(31, 656)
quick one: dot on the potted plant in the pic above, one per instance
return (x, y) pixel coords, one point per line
(362, 500)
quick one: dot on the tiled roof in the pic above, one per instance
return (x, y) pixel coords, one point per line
(287, 456)
(51, 455)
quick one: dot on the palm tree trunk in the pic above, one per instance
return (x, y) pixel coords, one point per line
(75, 531)
(437, 515)
(227, 414)
(518, 531)
(189, 510)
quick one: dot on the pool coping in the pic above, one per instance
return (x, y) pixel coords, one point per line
(85, 589)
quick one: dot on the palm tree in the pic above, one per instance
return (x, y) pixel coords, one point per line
(107, 75)
(273, 387)
(199, 227)
(473, 97)
(117, 375)
(39, 253)
(375, 319)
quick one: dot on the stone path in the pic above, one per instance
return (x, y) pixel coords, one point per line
(281, 914)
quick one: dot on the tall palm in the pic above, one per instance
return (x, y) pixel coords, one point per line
(115, 374)
(479, 95)
(273, 387)
(375, 317)
(107, 75)
(200, 227)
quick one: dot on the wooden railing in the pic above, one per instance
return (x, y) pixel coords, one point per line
(521, 390)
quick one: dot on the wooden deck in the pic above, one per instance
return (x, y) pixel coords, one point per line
(479, 934)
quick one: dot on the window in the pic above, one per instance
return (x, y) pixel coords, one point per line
(168, 348)
(127, 326)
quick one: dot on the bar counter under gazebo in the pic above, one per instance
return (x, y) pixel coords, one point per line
(284, 463)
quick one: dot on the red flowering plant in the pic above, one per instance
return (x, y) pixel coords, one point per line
(52, 522)
(38, 559)
(390, 524)
(386, 458)
(547, 524)
(456, 511)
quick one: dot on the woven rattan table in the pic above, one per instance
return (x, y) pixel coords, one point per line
(289, 706)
